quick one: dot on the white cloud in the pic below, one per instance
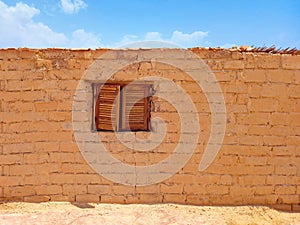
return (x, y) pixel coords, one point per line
(72, 6)
(188, 40)
(178, 39)
(18, 29)
(83, 39)
(153, 36)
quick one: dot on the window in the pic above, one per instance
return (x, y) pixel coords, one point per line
(122, 107)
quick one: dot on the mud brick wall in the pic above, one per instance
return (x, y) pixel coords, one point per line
(258, 163)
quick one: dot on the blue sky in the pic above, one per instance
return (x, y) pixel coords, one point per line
(113, 23)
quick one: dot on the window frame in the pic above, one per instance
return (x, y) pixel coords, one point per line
(120, 106)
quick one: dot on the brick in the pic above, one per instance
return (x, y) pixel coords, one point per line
(87, 178)
(257, 76)
(237, 108)
(48, 189)
(36, 179)
(60, 116)
(217, 189)
(293, 91)
(274, 141)
(282, 207)
(68, 146)
(227, 180)
(174, 198)
(74, 189)
(88, 198)
(101, 189)
(46, 146)
(120, 199)
(10, 96)
(290, 199)
(8, 53)
(75, 168)
(285, 190)
(285, 170)
(122, 190)
(45, 106)
(280, 76)
(293, 140)
(45, 126)
(251, 140)
(223, 53)
(278, 91)
(279, 160)
(296, 208)
(21, 169)
(225, 76)
(33, 96)
(250, 180)
(37, 198)
(238, 87)
(59, 136)
(171, 188)
(254, 90)
(237, 55)
(249, 60)
(253, 160)
(259, 130)
(228, 160)
(285, 105)
(206, 178)
(62, 198)
(263, 105)
(233, 64)
(280, 130)
(194, 189)
(276, 179)
(196, 199)
(151, 189)
(255, 118)
(46, 168)
(278, 119)
(11, 159)
(283, 151)
(22, 191)
(19, 106)
(294, 119)
(18, 65)
(83, 53)
(268, 61)
(11, 180)
(246, 150)
(61, 157)
(62, 178)
(241, 191)
(290, 61)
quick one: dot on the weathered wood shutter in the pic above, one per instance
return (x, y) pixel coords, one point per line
(135, 107)
(107, 107)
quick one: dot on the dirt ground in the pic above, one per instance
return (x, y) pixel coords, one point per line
(67, 213)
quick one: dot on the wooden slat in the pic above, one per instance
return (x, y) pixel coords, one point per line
(106, 110)
(135, 110)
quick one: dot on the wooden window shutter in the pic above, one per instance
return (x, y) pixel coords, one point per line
(135, 107)
(107, 107)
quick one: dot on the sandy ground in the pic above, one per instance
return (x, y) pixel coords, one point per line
(67, 213)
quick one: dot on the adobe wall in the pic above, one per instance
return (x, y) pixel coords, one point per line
(257, 164)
